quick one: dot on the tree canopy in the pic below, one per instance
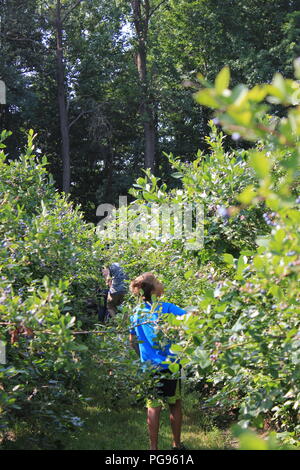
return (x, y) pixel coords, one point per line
(114, 112)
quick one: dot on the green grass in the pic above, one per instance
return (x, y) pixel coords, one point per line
(126, 430)
(122, 426)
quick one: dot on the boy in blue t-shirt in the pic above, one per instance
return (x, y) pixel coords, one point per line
(143, 338)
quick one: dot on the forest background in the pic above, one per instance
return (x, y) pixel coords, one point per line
(96, 92)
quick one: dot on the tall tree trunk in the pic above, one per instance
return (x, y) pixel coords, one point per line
(141, 23)
(63, 114)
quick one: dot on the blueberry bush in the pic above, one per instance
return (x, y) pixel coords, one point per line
(49, 261)
(241, 335)
(240, 338)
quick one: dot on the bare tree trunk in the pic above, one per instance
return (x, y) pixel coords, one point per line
(61, 91)
(141, 23)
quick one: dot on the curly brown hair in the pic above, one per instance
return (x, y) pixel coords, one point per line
(148, 284)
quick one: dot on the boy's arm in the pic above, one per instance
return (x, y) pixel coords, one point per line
(176, 310)
(134, 344)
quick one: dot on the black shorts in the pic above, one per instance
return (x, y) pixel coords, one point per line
(165, 389)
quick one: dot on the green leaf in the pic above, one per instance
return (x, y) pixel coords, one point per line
(197, 340)
(174, 367)
(242, 118)
(228, 258)
(202, 358)
(149, 196)
(188, 274)
(207, 98)
(222, 80)
(247, 196)
(263, 241)
(176, 348)
(177, 175)
(260, 163)
(259, 262)
(258, 93)
(279, 235)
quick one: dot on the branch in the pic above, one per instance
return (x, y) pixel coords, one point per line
(23, 39)
(156, 8)
(79, 116)
(49, 332)
(260, 127)
(70, 10)
(146, 6)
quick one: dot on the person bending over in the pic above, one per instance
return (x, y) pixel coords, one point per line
(115, 280)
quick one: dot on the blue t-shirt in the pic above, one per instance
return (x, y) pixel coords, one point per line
(144, 324)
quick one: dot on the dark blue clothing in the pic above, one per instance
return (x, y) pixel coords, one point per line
(118, 277)
(144, 325)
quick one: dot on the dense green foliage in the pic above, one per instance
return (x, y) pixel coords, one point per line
(102, 93)
(242, 335)
(47, 273)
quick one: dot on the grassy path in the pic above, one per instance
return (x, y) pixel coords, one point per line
(123, 427)
(126, 430)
